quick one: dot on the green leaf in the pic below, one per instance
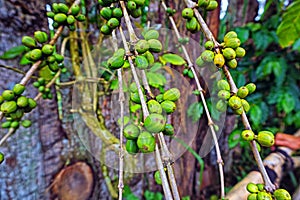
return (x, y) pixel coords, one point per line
(243, 34)
(297, 119)
(134, 108)
(279, 70)
(13, 52)
(234, 138)
(195, 111)
(288, 103)
(296, 45)
(155, 79)
(24, 61)
(255, 115)
(155, 67)
(174, 59)
(289, 29)
(262, 39)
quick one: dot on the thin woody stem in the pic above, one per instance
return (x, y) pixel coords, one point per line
(166, 188)
(210, 121)
(121, 101)
(268, 183)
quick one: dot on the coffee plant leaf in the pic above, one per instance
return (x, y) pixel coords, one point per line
(174, 59)
(13, 52)
(289, 29)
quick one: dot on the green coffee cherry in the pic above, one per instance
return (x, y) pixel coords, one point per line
(131, 147)
(242, 92)
(50, 14)
(155, 45)
(131, 5)
(28, 42)
(157, 178)
(203, 3)
(207, 56)
(251, 87)
(168, 106)
(17, 115)
(229, 35)
(209, 45)
(51, 59)
(71, 19)
(151, 34)
(146, 142)
(235, 102)
(191, 24)
(252, 196)
(232, 63)
(245, 105)
(41, 81)
(282, 194)
(248, 135)
(154, 123)
(117, 13)
(35, 54)
(1, 157)
(142, 46)
(252, 187)
(212, 5)
(40, 36)
(136, 13)
(134, 97)
(41, 88)
(232, 43)
(265, 138)
(63, 8)
(240, 52)
(26, 123)
(169, 130)
(141, 62)
(80, 18)
(219, 60)
(238, 111)
(32, 103)
(15, 124)
(8, 95)
(154, 107)
(75, 9)
(263, 196)
(224, 94)
(149, 57)
(221, 106)
(223, 85)
(6, 124)
(55, 7)
(119, 53)
(260, 186)
(159, 98)
(172, 94)
(105, 29)
(60, 18)
(22, 101)
(59, 58)
(106, 13)
(139, 2)
(116, 62)
(187, 13)
(229, 53)
(131, 132)
(47, 49)
(199, 62)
